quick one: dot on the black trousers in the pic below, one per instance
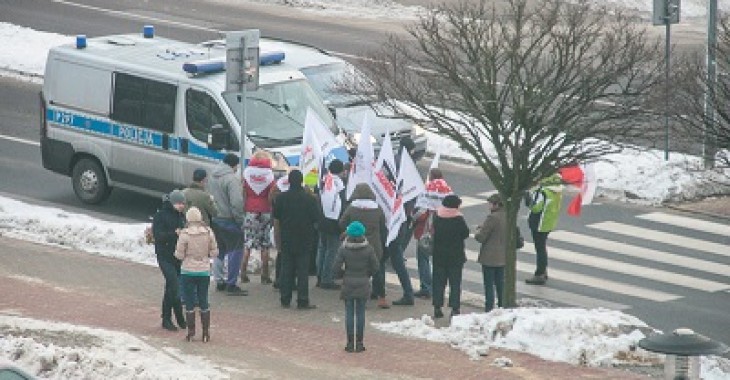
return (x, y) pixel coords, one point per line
(540, 241)
(171, 298)
(294, 265)
(450, 274)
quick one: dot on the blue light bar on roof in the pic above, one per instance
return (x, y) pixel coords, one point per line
(271, 57)
(218, 65)
(208, 66)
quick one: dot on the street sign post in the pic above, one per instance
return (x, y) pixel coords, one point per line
(242, 73)
(666, 12)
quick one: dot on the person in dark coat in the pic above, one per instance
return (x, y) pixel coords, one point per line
(450, 231)
(295, 214)
(365, 209)
(166, 226)
(355, 263)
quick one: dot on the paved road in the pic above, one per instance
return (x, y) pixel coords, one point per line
(615, 255)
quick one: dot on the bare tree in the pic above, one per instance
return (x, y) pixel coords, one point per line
(524, 90)
(693, 93)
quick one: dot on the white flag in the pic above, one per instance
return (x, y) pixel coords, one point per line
(311, 152)
(324, 136)
(410, 184)
(361, 170)
(435, 161)
(590, 182)
(318, 143)
(384, 177)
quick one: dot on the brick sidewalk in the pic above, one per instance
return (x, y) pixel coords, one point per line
(251, 333)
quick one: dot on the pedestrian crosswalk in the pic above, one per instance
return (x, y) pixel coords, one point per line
(653, 257)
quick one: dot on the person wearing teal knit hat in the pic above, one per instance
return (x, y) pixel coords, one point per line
(356, 229)
(355, 263)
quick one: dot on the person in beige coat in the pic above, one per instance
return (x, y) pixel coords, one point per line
(195, 247)
(492, 253)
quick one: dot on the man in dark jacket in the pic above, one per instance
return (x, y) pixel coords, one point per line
(295, 214)
(197, 196)
(166, 226)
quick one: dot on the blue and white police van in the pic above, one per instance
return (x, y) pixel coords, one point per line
(138, 112)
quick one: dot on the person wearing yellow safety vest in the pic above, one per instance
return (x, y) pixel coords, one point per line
(544, 202)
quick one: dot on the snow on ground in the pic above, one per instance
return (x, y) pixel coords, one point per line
(63, 351)
(24, 50)
(595, 338)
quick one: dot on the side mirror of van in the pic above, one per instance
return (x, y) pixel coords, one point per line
(218, 139)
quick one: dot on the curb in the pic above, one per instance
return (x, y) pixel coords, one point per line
(699, 212)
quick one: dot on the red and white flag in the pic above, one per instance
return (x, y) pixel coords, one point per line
(361, 169)
(584, 178)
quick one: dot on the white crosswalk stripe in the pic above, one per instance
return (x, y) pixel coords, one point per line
(686, 222)
(631, 269)
(641, 252)
(663, 237)
(593, 282)
(471, 201)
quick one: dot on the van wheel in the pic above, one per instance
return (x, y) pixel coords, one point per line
(89, 182)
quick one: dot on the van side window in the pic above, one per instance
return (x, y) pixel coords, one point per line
(143, 102)
(201, 113)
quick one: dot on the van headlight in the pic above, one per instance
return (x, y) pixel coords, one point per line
(356, 137)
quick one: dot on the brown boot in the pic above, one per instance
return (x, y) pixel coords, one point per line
(190, 320)
(265, 279)
(383, 303)
(205, 322)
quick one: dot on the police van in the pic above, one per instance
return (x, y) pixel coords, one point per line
(141, 112)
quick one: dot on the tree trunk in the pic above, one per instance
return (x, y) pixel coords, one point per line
(511, 208)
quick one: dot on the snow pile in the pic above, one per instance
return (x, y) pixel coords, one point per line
(689, 9)
(64, 351)
(24, 50)
(368, 9)
(597, 337)
(75, 231)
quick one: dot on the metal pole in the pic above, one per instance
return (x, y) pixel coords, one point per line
(708, 150)
(244, 127)
(666, 85)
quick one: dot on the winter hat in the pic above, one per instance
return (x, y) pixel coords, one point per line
(495, 198)
(193, 215)
(356, 229)
(231, 160)
(199, 174)
(451, 201)
(336, 166)
(177, 196)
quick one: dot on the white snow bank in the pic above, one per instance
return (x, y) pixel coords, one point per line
(596, 337)
(24, 50)
(63, 351)
(57, 227)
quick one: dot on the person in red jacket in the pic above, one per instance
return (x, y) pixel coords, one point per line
(258, 178)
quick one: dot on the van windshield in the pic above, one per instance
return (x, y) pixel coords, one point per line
(324, 78)
(275, 112)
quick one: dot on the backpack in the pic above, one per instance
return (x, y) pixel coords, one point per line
(425, 243)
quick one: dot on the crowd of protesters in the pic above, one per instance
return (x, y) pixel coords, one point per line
(223, 216)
